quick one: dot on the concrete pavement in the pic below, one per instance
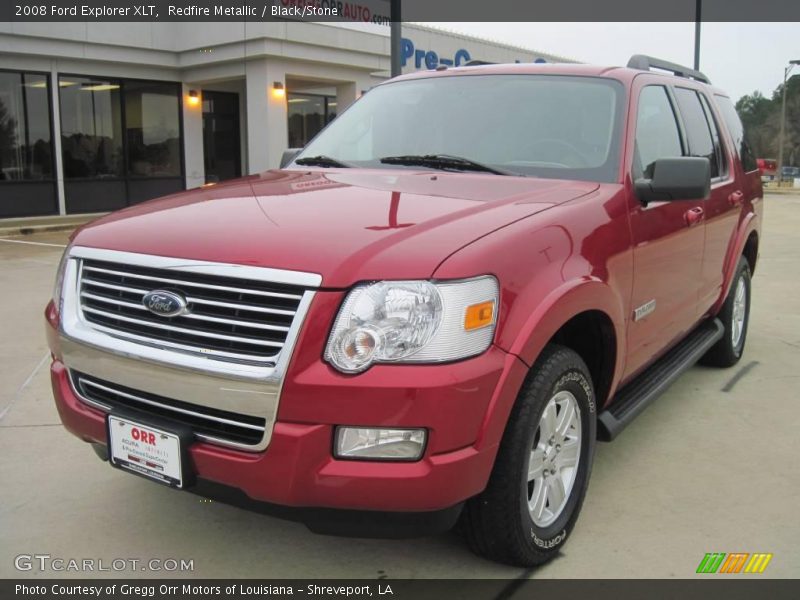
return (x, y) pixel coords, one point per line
(710, 467)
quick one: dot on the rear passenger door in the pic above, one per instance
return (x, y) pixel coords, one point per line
(722, 208)
(668, 243)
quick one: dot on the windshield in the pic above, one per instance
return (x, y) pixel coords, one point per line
(534, 125)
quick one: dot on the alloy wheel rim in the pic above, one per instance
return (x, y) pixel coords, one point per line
(554, 458)
(738, 313)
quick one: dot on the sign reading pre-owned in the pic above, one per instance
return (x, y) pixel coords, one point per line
(430, 59)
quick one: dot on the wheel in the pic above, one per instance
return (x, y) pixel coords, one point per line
(735, 316)
(539, 480)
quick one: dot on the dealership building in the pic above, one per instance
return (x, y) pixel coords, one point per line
(98, 116)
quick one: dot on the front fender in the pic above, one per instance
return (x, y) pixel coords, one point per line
(549, 273)
(547, 315)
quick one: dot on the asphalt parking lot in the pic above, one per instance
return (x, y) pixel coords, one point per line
(710, 467)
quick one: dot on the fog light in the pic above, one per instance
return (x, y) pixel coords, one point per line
(379, 444)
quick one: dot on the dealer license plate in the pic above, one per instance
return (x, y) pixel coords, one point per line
(145, 450)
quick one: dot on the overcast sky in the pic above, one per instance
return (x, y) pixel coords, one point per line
(738, 57)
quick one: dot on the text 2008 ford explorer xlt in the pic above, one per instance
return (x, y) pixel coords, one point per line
(432, 312)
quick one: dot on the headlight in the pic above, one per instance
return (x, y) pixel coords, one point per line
(58, 288)
(413, 321)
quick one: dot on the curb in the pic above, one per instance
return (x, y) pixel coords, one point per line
(31, 226)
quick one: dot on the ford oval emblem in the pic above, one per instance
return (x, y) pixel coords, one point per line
(164, 303)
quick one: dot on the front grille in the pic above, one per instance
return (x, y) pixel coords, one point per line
(206, 423)
(228, 318)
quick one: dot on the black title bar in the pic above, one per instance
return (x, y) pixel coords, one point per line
(730, 588)
(379, 11)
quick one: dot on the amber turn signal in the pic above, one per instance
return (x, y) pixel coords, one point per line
(479, 315)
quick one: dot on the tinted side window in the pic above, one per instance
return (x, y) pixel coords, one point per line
(657, 134)
(697, 129)
(739, 135)
(716, 137)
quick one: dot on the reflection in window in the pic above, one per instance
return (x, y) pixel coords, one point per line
(697, 128)
(738, 133)
(657, 134)
(25, 137)
(541, 125)
(93, 111)
(152, 129)
(91, 127)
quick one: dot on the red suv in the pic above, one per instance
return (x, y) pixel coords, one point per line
(432, 312)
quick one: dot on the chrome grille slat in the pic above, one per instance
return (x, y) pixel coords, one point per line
(260, 309)
(197, 317)
(147, 341)
(226, 318)
(194, 300)
(193, 284)
(83, 382)
(200, 333)
(207, 424)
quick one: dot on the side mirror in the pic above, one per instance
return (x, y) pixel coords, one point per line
(288, 156)
(682, 178)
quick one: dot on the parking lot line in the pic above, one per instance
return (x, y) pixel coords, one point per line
(31, 243)
(25, 384)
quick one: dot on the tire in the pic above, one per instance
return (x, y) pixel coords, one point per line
(498, 524)
(735, 318)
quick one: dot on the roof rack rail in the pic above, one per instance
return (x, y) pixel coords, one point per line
(478, 63)
(646, 63)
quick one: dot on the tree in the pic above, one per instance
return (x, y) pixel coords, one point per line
(761, 118)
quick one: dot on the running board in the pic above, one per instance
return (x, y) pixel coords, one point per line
(631, 400)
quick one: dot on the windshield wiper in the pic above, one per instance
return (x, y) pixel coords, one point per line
(322, 161)
(444, 161)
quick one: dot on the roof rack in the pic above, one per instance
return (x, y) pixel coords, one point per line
(646, 63)
(478, 63)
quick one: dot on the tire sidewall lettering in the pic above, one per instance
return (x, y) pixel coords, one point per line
(553, 536)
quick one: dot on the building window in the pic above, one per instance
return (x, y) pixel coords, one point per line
(27, 185)
(308, 114)
(121, 141)
(91, 127)
(152, 126)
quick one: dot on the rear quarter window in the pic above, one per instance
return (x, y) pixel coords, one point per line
(739, 135)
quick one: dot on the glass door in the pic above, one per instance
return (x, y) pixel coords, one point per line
(221, 137)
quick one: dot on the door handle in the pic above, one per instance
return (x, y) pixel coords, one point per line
(735, 199)
(693, 216)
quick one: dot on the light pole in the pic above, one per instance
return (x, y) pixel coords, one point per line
(786, 72)
(396, 37)
(698, 19)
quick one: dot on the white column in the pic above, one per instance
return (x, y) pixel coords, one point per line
(193, 137)
(267, 125)
(345, 95)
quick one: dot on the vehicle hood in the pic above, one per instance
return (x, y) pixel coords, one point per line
(348, 225)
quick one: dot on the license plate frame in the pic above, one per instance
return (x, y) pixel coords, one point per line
(158, 451)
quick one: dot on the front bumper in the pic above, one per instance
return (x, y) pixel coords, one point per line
(458, 403)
